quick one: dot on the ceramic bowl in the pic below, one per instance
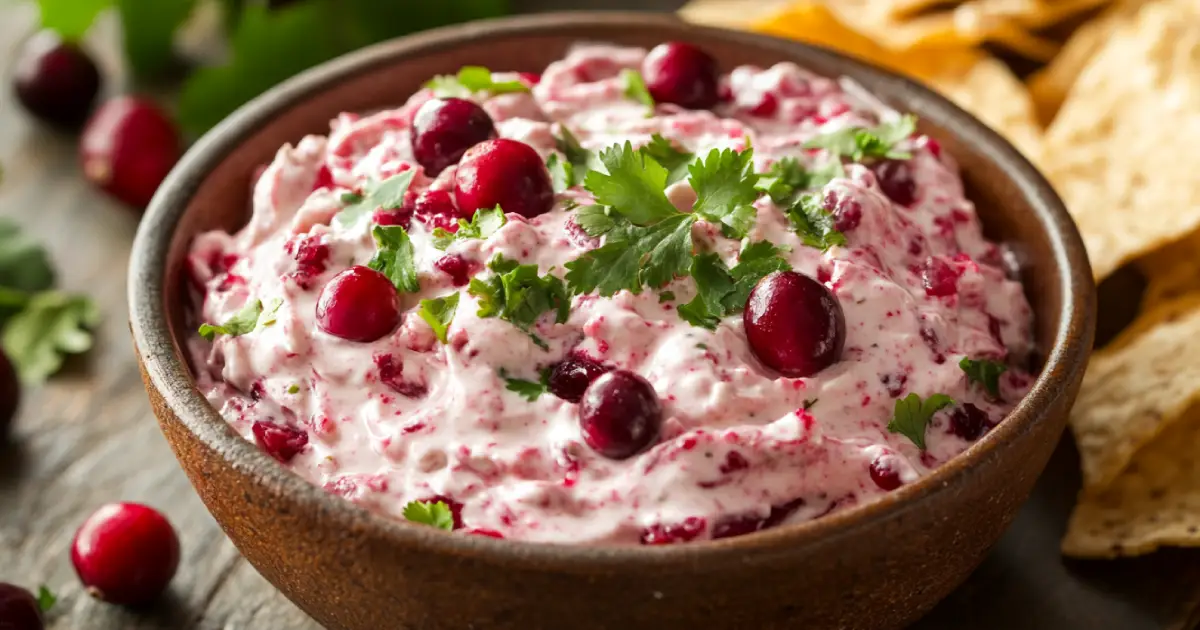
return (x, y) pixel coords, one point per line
(880, 565)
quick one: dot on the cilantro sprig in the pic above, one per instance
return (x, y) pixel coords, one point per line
(675, 161)
(432, 513)
(634, 256)
(725, 189)
(813, 223)
(481, 226)
(985, 372)
(395, 257)
(439, 313)
(787, 178)
(912, 416)
(517, 294)
(472, 79)
(633, 185)
(721, 291)
(387, 194)
(529, 390)
(859, 143)
(635, 88)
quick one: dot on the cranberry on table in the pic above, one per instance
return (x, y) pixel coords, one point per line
(125, 553)
(794, 324)
(10, 394)
(19, 609)
(55, 80)
(444, 128)
(680, 73)
(896, 180)
(620, 414)
(570, 377)
(127, 149)
(504, 173)
(359, 304)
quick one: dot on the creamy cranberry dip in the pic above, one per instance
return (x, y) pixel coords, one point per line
(708, 303)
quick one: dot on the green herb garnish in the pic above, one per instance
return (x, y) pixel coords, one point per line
(859, 143)
(433, 513)
(984, 372)
(472, 79)
(46, 599)
(912, 416)
(813, 223)
(395, 258)
(675, 161)
(518, 295)
(388, 195)
(481, 226)
(721, 291)
(239, 324)
(438, 313)
(529, 390)
(635, 88)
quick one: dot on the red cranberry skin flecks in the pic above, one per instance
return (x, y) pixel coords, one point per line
(125, 553)
(502, 429)
(794, 324)
(444, 128)
(503, 173)
(681, 74)
(359, 304)
(19, 609)
(55, 80)
(127, 149)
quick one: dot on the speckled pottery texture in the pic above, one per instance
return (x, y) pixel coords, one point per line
(877, 566)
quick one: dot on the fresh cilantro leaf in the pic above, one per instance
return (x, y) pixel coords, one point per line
(51, 324)
(70, 18)
(783, 179)
(666, 296)
(148, 32)
(438, 313)
(594, 220)
(528, 390)
(46, 599)
(24, 265)
(435, 514)
(562, 173)
(395, 258)
(582, 160)
(351, 198)
(481, 226)
(675, 161)
(721, 291)
(814, 224)
(912, 416)
(724, 184)
(388, 194)
(634, 185)
(241, 323)
(518, 295)
(697, 314)
(985, 372)
(858, 143)
(757, 260)
(472, 79)
(634, 256)
(635, 88)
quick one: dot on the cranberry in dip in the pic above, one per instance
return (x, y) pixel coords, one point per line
(629, 301)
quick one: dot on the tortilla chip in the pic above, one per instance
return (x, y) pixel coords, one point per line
(1136, 388)
(1171, 272)
(1029, 14)
(1118, 151)
(990, 91)
(1154, 503)
(729, 13)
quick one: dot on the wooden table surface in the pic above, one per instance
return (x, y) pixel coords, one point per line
(88, 437)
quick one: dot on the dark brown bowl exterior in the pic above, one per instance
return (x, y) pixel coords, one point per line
(878, 566)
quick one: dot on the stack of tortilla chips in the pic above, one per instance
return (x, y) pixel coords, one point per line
(1112, 116)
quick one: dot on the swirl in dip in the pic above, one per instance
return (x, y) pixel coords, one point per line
(783, 305)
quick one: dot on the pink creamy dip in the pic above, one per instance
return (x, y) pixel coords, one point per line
(409, 418)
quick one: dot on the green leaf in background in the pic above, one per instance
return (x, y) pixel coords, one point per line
(24, 264)
(148, 28)
(52, 324)
(270, 45)
(72, 18)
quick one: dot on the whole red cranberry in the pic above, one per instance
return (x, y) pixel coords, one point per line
(504, 173)
(570, 377)
(444, 128)
(620, 414)
(55, 80)
(125, 553)
(359, 304)
(19, 609)
(680, 73)
(127, 149)
(794, 324)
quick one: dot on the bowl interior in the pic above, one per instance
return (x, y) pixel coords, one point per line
(210, 189)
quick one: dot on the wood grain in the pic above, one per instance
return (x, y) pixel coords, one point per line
(88, 437)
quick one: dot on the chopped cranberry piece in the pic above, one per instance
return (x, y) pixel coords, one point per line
(846, 210)
(620, 414)
(390, 374)
(504, 173)
(734, 461)
(324, 178)
(310, 254)
(794, 324)
(393, 216)
(359, 304)
(934, 147)
(660, 534)
(125, 553)
(766, 107)
(896, 180)
(731, 526)
(55, 80)
(487, 533)
(570, 377)
(279, 441)
(969, 422)
(884, 475)
(454, 266)
(10, 395)
(530, 79)
(680, 73)
(18, 609)
(939, 278)
(444, 128)
(127, 149)
(894, 383)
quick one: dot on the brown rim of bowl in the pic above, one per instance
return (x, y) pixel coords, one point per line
(165, 363)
